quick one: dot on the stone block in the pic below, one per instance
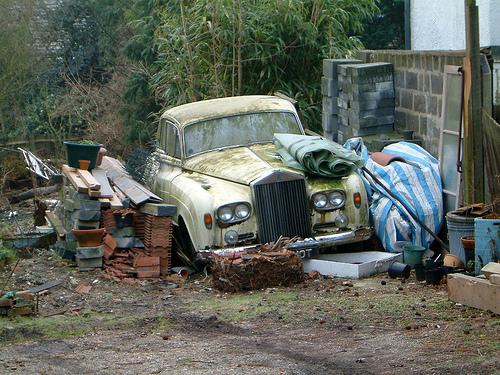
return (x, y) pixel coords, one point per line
(330, 66)
(375, 78)
(370, 87)
(69, 204)
(88, 264)
(87, 205)
(80, 224)
(330, 122)
(84, 215)
(373, 130)
(90, 252)
(125, 232)
(377, 113)
(342, 104)
(330, 105)
(329, 86)
(159, 209)
(369, 69)
(372, 104)
(368, 122)
(371, 96)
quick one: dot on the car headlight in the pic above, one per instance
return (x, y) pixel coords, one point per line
(328, 200)
(225, 213)
(320, 200)
(242, 211)
(233, 213)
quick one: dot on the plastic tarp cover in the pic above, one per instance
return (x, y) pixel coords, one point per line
(417, 183)
(316, 155)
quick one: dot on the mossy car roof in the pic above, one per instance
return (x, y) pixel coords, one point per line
(215, 108)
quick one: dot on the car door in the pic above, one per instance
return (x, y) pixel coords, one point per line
(169, 153)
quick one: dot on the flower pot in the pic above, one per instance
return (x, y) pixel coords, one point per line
(451, 260)
(433, 276)
(89, 237)
(397, 269)
(102, 153)
(84, 164)
(469, 241)
(77, 151)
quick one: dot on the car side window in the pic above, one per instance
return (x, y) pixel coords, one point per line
(171, 141)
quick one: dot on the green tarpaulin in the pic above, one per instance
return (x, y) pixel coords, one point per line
(316, 155)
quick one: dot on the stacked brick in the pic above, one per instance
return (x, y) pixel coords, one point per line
(362, 94)
(158, 240)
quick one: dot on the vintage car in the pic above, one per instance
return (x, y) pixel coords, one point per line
(217, 163)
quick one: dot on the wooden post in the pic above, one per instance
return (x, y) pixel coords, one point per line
(473, 165)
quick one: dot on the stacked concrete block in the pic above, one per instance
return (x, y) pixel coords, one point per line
(330, 91)
(89, 258)
(366, 100)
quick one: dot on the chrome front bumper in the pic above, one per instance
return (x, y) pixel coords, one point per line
(309, 247)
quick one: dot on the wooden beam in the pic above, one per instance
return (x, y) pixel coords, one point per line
(474, 292)
(473, 129)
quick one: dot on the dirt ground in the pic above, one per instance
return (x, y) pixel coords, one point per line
(171, 325)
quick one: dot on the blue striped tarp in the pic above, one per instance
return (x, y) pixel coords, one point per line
(417, 183)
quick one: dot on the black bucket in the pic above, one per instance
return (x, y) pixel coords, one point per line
(397, 269)
(419, 272)
(433, 276)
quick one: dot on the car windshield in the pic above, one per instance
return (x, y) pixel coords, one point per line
(237, 130)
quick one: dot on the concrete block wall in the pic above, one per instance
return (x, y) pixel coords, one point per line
(418, 88)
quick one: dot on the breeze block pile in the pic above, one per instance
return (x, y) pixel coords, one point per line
(358, 98)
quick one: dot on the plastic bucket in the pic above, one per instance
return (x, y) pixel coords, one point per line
(397, 269)
(433, 276)
(77, 151)
(412, 254)
(419, 272)
(458, 227)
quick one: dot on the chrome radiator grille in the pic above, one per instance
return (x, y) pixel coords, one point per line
(282, 207)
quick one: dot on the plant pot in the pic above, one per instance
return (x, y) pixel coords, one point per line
(451, 260)
(419, 272)
(433, 276)
(469, 241)
(84, 164)
(89, 237)
(77, 151)
(397, 269)
(433, 264)
(102, 153)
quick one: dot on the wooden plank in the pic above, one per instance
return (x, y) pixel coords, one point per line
(474, 292)
(75, 179)
(48, 285)
(89, 179)
(100, 175)
(56, 223)
(116, 203)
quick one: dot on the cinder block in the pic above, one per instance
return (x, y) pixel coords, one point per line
(373, 130)
(90, 252)
(372, 104)
(368, 122)
(80, 224)
(124, 232)
(329, 87)
(370, 96)
(330, 66)
(159, 209)
(368, 69)
(69, 204)
(375, 78)
(88, 264)
(342, 104)
(330, 122)
(377, 112)
(85, 215)
(87, 205)
(330, 105)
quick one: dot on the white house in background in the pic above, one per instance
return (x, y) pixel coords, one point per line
(440, 24)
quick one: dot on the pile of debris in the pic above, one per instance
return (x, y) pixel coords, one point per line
(137, 236)
(267, 266)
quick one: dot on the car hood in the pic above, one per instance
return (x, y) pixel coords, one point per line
(240, 164)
